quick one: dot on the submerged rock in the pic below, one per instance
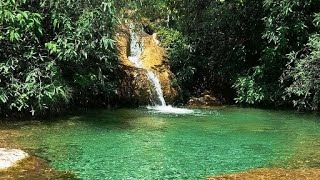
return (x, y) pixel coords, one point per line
(17, 164)
(9, 157)
(272, 173)
(34, 168)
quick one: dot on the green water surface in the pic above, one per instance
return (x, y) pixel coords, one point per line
(140, 144)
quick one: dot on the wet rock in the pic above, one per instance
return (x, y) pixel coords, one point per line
(9, 157)
(135, 86)
(206, 99)
(154, 59)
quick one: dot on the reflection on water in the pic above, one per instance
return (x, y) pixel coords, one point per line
(137, 144)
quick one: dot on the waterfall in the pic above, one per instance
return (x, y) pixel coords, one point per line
(136, 48)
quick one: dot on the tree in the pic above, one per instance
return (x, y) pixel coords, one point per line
(223, 40)
(288, 26)
(55, 52)
(303, 73)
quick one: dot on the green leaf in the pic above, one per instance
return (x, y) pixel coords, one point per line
(55, 23)
(12, 35)
(25, 14)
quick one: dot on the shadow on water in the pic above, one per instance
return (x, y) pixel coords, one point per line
(136, 143)
(102, 118)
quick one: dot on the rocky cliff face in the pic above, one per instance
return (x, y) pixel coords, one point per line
(135, 86)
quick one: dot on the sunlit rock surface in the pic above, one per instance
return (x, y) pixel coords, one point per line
(154, 59)
(135, 85)
(9, 157)
(34, 168)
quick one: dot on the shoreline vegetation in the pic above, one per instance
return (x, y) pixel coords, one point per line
(57, 57)
(61, 55)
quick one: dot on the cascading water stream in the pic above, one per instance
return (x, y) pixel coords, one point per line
(157, 86)
(136, 51)
(136, 48)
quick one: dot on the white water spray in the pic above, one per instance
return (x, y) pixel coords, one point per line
(157, 86)
(136, 51)
(136, 48)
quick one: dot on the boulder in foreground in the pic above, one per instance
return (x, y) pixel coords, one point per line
(9, 157)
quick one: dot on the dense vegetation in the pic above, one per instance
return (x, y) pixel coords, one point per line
(254, 52)
(55, 54)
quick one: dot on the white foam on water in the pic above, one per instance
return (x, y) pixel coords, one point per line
(170, 110)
